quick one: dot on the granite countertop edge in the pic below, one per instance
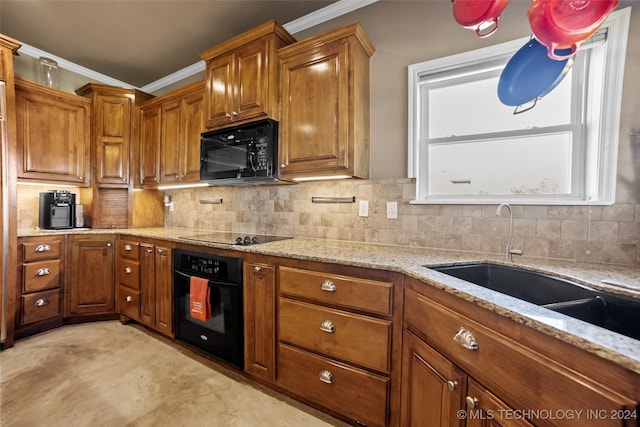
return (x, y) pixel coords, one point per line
(410, 260)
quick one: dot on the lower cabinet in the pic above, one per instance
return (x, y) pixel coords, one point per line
(91, 273)
(464, 364)
(259, 295)
(145, 292)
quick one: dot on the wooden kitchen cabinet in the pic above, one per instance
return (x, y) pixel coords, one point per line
(128, 279)
(500, 367)
(324, 129)
(260, 320)
(242, 76)
(170, 137)
(40, 281)
(53, 136)
(91, 275)
(333, 348)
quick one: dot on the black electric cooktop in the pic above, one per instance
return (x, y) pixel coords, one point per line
(230, 238)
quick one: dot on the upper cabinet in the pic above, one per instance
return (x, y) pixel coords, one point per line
(113, 127)
(53, 134)
(170, 137)
(324, 127)
(242, 76)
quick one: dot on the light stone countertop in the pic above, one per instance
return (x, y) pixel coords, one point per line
(622, 350)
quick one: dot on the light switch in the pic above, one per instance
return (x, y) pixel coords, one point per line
(363, 208)
(392, 210)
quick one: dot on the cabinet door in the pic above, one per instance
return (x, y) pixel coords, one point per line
(91, 275)
(150, 146)
(315, 90)
(486, 410)
(164, 291)
(170, 141)
(250, 81)
(193, 125)
(432, 387)
(259, 320)
(112, 127)
(219, 88)
(53, 134)
(147, 284)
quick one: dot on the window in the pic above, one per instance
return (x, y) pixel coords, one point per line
(465, 146)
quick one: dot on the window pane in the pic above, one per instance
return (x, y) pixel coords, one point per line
(468, 108)
(531, 165)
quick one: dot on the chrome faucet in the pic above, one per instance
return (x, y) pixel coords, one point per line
(510, 251)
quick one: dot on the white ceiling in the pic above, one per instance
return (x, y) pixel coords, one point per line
(141, 41)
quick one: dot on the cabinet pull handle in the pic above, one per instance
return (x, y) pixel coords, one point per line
(128, 298)
(327, 326)
(257, 268)
(328, 286)
(41, 302)
(466, 339)
(127, 247)
(43, 272)
(127, 270)
(43, 248)
(472, 402)
(326, 377)
(233, 113)
(160, 251)
(227, 115)
(452, 385)
(149, 250)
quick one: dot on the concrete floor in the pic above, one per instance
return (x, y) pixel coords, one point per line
(108, 374)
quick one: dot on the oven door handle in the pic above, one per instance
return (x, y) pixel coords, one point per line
(211, 281)
(180, 273)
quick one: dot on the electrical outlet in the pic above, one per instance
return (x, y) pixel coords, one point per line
(363, 208)
(392, 210)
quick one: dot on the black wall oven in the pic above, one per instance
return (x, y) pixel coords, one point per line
(221, 335)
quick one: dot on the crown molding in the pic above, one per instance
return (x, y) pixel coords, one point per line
(334, 10)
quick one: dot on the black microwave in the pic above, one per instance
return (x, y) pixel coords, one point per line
(245, 154)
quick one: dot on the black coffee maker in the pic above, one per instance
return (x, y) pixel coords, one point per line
(57, 210)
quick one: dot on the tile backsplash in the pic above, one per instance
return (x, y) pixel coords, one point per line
(609, 234)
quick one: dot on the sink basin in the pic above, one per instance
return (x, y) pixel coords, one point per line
(611, 311)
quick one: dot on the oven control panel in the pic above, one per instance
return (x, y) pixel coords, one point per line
(210, 266)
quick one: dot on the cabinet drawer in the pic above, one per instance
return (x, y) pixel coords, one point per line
(40, 306)
(34, 250)
(41, 275)
(129, 302)
(532, 380)
(351, 337)
(355, 393)
(350, 292)
(129, 273)
(130, 250)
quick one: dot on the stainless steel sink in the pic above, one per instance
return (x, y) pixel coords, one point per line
(617, 313)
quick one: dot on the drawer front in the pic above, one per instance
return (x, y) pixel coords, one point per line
(40, 306)
(354, 338)
(129, 273)
(129, 302)
(357, 394)
(350, 292)
(535, 381)
(37, 276)
(129, 250)
(34, 250)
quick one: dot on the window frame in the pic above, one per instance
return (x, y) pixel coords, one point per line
(594, 188)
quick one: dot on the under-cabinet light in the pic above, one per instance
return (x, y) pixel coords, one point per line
(47, 184)
(351, 199)
(319, 178)
(178, 186)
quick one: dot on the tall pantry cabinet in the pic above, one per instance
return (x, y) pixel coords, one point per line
(8, 214)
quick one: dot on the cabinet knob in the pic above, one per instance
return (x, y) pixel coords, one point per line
(257, 268)
(43, 272)
(282, 166)
(109, 245)
(326, 377)
(452, 385)
(149, 250)
(41, 302)
(43, 248)
(227, 115)
(128, 298)
(160, 251)
(127, 270)
(328, 286)
(81, 177)
(472, 402)
(465, 338)
(233, 113)
(327, 326)
(127, 247)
